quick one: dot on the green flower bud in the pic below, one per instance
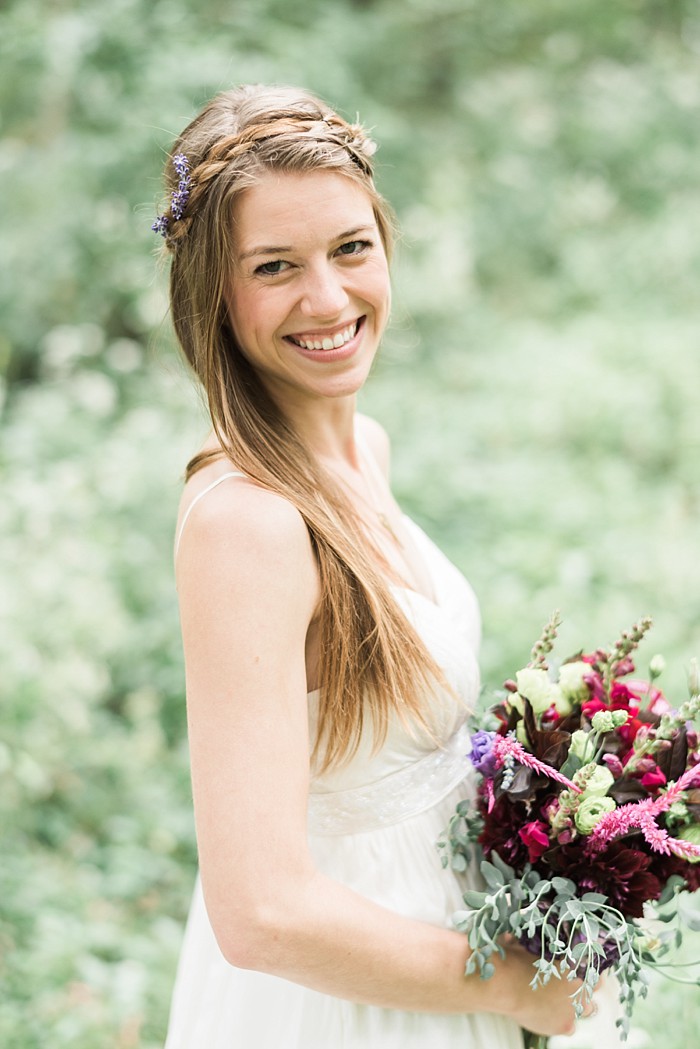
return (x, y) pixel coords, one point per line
(607, 720)
(591, 811)
(656, 667)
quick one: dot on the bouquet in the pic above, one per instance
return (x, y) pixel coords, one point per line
(588, 812)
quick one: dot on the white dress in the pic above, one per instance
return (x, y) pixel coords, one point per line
(373, 825)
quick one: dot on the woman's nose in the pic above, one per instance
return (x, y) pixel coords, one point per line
(324, 294)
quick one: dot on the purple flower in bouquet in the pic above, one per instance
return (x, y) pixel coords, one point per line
(482, 755)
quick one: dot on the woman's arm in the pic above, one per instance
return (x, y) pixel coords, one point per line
(248, 590)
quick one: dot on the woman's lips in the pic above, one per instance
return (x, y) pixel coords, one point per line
(307, 345)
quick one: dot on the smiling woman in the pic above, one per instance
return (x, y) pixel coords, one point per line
(330, 647)
(309, 316)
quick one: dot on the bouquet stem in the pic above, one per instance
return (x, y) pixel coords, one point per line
(535, 1041)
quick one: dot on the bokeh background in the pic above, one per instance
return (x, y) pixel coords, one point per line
(540, 384)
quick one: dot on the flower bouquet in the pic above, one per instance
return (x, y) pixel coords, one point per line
(588, 812)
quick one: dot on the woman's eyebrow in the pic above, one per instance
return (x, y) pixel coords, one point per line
(282, 250)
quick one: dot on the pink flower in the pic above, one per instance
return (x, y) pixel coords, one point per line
(656, 700)
(535, 837)
(508, 746)
(642, 815)
(614, 764)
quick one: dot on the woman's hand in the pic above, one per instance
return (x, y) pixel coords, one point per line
(548, 1010)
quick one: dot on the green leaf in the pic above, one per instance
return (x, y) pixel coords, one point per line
(571, 766)
(492, 876)
(563, 886)
(594, 897)
(507, 872)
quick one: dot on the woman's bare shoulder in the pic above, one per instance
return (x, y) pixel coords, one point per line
(238, 527)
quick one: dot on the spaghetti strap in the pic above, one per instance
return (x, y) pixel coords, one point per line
(200, 495)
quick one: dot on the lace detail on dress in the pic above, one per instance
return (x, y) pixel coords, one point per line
(394, 798)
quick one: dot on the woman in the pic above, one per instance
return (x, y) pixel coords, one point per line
(329, 646)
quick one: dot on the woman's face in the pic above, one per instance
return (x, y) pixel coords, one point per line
(310, 294)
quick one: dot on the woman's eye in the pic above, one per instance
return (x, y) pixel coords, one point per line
(270, 269)
(354, 247)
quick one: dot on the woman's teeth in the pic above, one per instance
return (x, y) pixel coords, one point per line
(335, 343)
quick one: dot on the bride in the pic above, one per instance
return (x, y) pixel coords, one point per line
(330, 647)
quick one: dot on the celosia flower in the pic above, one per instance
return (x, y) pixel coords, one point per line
(508, 747)
(641, 815)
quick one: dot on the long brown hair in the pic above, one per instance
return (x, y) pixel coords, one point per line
(371, 657)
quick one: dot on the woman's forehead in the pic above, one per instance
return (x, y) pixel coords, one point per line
(289, 209)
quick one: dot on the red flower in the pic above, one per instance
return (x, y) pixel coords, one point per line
(623, 698)
(653, 779)
(629, 730)
(535, 836)
(592, 706)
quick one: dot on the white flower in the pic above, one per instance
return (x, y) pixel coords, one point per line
(591, 811)
(536, 686)
(580, 745)
(596, 781)
(571, 681)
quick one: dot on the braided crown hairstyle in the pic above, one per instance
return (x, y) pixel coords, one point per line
(371, 657)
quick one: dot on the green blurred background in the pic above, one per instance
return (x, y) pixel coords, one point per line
(540, 384)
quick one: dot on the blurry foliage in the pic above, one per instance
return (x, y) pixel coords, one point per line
(540, 382)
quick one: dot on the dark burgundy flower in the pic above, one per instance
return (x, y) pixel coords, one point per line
(620, 872)
(501, 832)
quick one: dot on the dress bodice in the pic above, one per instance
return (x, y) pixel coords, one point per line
(410, 757)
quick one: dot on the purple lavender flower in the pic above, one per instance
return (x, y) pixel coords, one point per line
(179, 196)
(482, 754)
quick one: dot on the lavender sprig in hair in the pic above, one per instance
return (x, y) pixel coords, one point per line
(179, 196)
